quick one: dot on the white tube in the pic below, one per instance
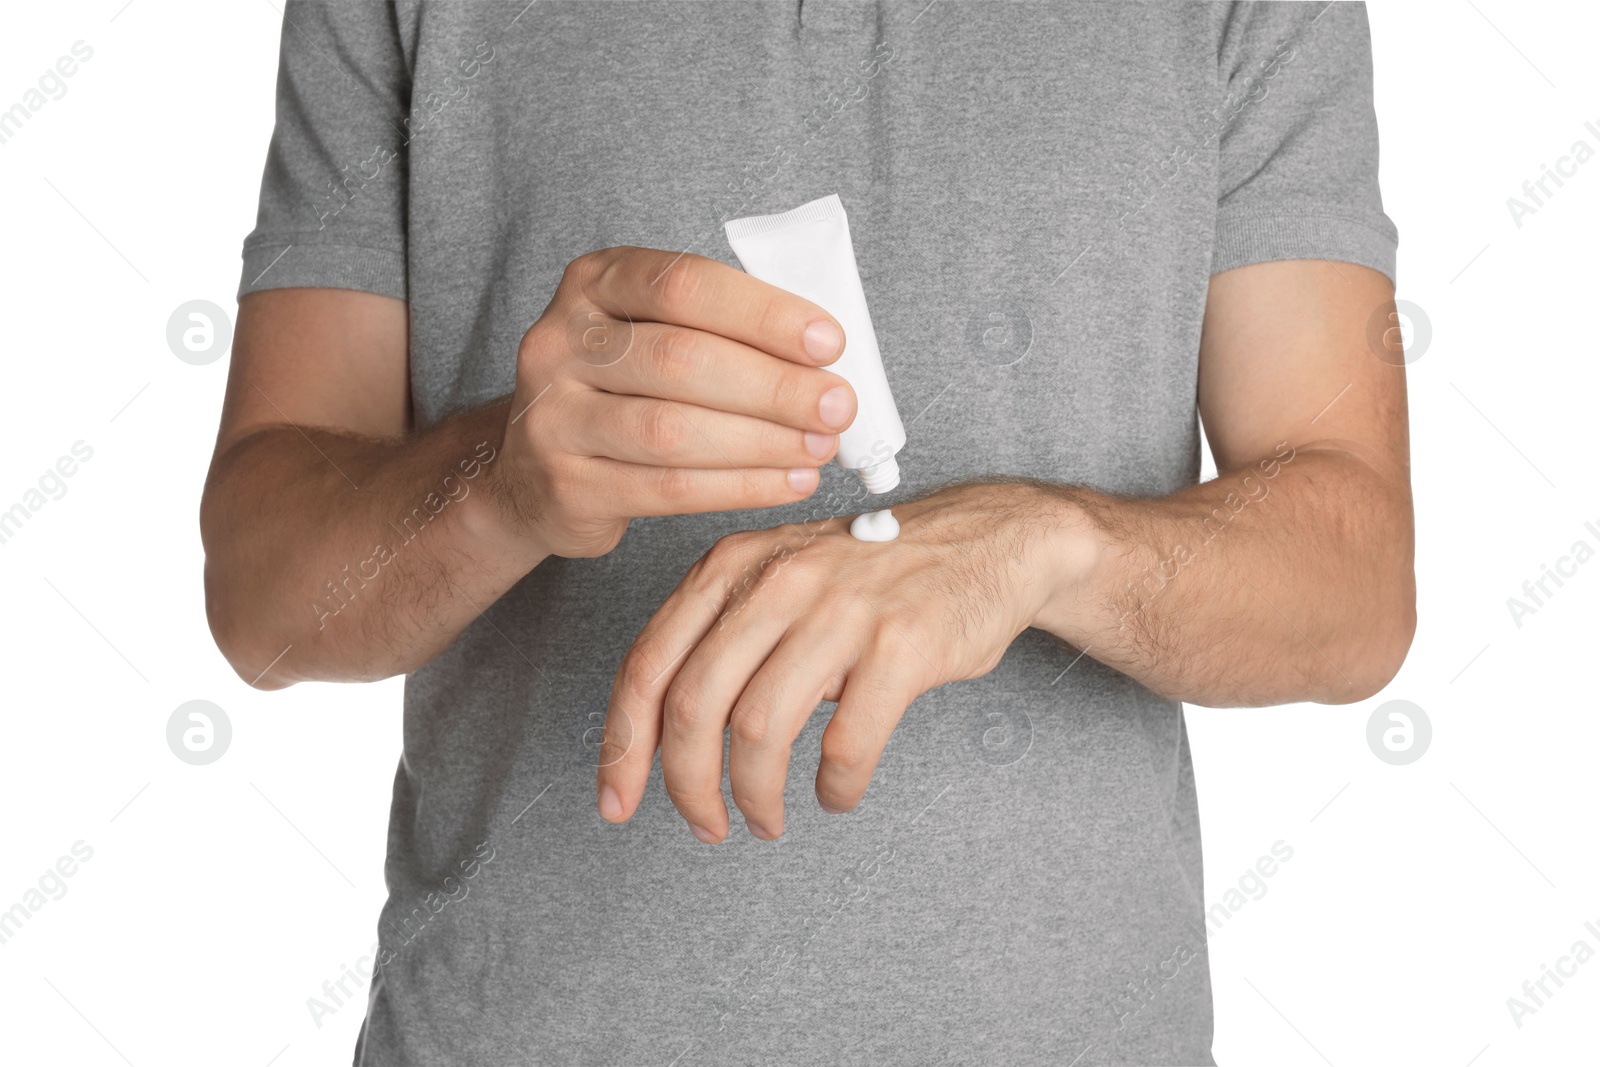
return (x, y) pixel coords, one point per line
(808, 252)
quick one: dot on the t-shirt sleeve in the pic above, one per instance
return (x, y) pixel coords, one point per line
(1297, 173)
(333, 195)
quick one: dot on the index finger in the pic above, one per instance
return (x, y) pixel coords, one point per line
(633, 724)
(688, 290)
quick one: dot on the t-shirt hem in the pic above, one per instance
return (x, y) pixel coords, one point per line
(1265, 238)
(285, 264)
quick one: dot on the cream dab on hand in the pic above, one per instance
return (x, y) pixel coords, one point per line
(875, 526)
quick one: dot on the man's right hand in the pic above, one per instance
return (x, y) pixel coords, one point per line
(653, 384)
(660, 384)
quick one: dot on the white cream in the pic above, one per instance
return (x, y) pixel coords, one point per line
(875, 526)
(808, 252)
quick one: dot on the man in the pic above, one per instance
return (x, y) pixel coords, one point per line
(1075, 225)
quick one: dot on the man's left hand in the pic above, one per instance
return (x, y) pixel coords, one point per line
(769, 623)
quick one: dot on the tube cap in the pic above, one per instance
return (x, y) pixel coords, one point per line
(880, 477)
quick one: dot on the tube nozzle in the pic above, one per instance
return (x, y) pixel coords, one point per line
(880, 477)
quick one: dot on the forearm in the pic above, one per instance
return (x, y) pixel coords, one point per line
(340, 558)
(1288, 580)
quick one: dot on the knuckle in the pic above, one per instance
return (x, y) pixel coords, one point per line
(583, 271)
(536, 345)
(730, 549)
(661, 429)
(689, 798)
(888, 642)
(613, 752)
(674, 484)
(752, 728)
(740, 562)
(712, 583)
(674, 355)
(684, 708)
(680, 286)
(844, 749)
(643, 666)
(613, 270)
(616, 738)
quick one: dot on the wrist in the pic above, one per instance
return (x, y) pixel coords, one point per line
(498, 519)
(1072, 545)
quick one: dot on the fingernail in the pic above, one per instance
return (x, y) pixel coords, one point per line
(834, 407)
(803, 479)
(703, 834)
(819, 444)
(610, 804)
(759, 831)
(823, 341)
(831, 810)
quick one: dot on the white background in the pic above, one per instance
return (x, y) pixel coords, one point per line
(219, 898)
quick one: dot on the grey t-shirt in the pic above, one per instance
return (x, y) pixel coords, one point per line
(1039, 193)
